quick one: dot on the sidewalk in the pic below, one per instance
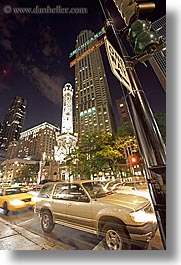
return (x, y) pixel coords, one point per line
(13, 237)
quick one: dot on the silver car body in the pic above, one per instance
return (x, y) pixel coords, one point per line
(89, 212)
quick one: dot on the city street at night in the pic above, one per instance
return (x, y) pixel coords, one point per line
(83, 125)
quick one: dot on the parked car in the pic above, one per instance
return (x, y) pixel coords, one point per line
(87, 206)
(109, 184)
(15, 198)
(139, 188)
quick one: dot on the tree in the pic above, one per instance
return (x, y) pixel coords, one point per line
(28, 173)
(100, 152)
(126, 129)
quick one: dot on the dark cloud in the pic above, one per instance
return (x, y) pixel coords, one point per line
(49, 86)
(33, 49)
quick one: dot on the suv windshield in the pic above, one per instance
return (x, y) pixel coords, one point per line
(95, 189)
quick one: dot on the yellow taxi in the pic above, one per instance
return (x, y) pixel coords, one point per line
(15, 198)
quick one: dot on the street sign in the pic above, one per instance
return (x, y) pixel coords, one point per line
(117, 65)
(87, 42)
(91, 49)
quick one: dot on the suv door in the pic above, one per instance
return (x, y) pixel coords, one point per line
(79, 207)
(59, 201)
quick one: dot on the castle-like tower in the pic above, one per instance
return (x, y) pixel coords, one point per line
(67, 113)
(66, 140)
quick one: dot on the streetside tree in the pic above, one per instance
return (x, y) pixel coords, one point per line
(100, 152)
(28, 173)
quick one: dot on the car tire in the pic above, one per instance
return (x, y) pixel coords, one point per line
(5, 208)
(47, 223)
(115, 237)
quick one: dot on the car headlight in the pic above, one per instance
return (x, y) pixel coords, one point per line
(16, 203)
(142, 217)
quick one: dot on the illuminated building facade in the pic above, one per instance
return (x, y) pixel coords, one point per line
(93, 102)
(33, 143)
(10, 167)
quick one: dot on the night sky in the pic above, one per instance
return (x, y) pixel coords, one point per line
(34, 58)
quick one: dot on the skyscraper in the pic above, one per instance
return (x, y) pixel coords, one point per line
(13, 122)
(93, 102)
(123, 111)
(158, 61)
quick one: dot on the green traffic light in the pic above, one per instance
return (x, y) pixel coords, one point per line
(141, 36)
(145, 40)
(136, 28)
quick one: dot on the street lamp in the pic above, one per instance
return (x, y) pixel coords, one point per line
(41, 164)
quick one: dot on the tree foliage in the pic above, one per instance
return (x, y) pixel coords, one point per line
(28, 173)
(99, 152)
(126, 129)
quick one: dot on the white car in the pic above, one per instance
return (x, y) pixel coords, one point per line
(139, 188)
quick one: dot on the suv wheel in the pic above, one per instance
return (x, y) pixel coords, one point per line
(47, 223)
(115, 238)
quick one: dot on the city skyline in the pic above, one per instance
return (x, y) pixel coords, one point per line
(34, 53)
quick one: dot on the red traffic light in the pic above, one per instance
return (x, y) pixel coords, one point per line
(134, 160)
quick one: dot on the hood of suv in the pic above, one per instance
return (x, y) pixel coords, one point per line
(125, 200)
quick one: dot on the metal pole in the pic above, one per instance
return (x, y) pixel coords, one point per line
(150, 142)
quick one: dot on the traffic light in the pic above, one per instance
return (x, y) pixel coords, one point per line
(143, 38)
(134, 160)
(130, 9)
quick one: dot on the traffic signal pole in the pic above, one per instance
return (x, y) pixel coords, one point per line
(150, 142)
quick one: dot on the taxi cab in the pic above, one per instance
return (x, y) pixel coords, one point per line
(15, 198)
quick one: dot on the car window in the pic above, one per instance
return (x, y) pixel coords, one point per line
(77, 193)
(61, 191)
(95, 189)
(11, 191)
(46, 191)
(70, 192)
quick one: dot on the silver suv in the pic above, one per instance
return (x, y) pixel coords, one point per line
(87, 206)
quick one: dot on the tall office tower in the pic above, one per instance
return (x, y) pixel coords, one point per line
(123, 110)
(93, 102)
(158, 61)
(13, 122)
